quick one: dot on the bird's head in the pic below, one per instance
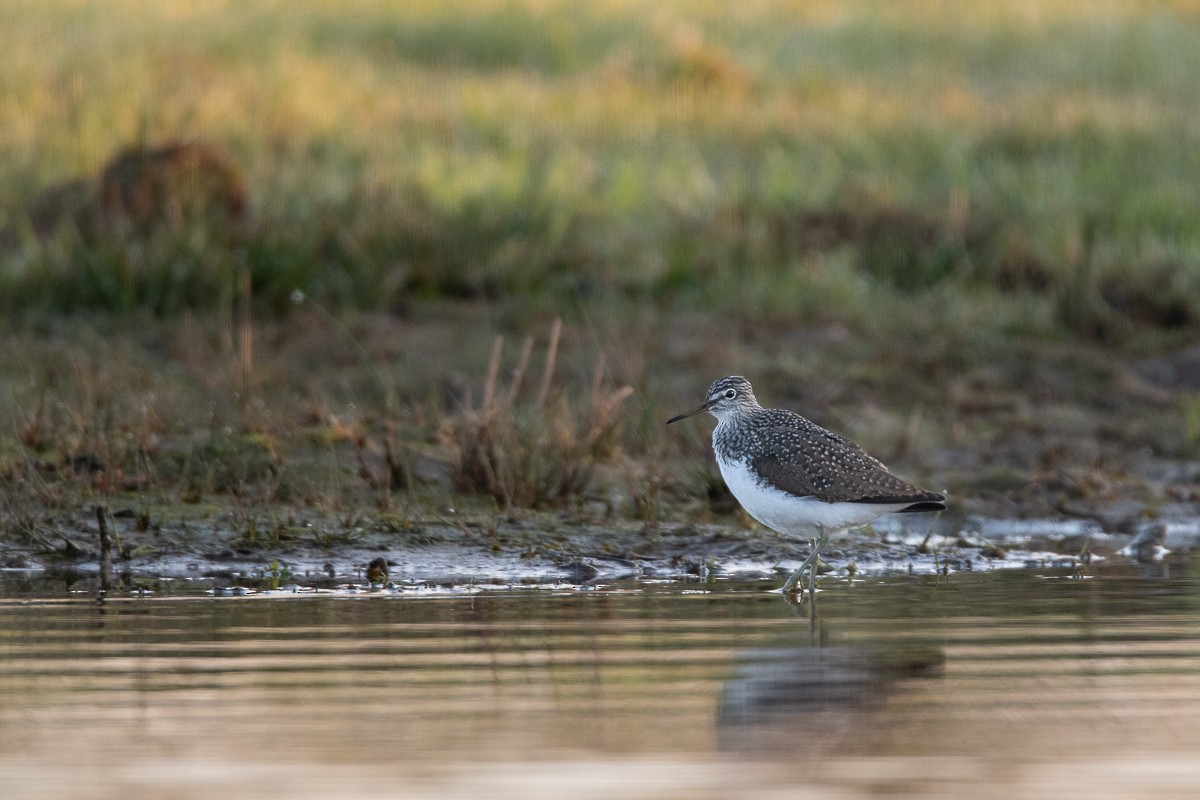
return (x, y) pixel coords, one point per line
(727, 398)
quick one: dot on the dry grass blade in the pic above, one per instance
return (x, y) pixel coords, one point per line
(244, 377)
(551, 358)
(519, 373)
(489, 386)
(539, 452)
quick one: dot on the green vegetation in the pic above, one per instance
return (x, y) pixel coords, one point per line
(952, 211)
(1025, 166)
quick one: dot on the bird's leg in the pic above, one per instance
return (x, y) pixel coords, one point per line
(818, 545)
(810, 565)
(789, 586)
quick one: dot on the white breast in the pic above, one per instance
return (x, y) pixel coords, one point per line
(792, 515)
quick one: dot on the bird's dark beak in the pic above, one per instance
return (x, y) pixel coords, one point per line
(700, 409)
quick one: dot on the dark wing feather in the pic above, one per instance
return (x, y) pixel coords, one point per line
(802, 458)
(925, 505)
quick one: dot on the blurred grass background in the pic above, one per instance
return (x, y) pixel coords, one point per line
(1027, 167)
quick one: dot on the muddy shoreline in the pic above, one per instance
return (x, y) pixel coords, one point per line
(543, 550)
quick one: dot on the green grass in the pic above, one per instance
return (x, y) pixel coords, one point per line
(1036, 156)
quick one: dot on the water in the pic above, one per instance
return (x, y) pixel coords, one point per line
(1007, 684)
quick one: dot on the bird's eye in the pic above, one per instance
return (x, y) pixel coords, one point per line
(729, 393)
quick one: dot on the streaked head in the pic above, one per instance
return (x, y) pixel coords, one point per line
(727, 397)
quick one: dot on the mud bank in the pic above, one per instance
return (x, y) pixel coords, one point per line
(543, 552)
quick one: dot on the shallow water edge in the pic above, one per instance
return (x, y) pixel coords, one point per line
(1014, 683)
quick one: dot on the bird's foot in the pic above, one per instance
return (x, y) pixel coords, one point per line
(794, 587)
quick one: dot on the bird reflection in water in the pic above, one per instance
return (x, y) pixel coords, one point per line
(813, 698)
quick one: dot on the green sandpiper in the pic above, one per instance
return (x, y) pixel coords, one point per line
(797, 478)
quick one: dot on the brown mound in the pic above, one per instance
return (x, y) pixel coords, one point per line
(140, 189)
(170, 184)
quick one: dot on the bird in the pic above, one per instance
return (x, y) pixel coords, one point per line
(796, 477)
(377, 571)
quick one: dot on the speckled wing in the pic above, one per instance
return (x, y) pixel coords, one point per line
(802, 458)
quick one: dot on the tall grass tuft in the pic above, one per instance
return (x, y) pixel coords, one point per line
(534, 447)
